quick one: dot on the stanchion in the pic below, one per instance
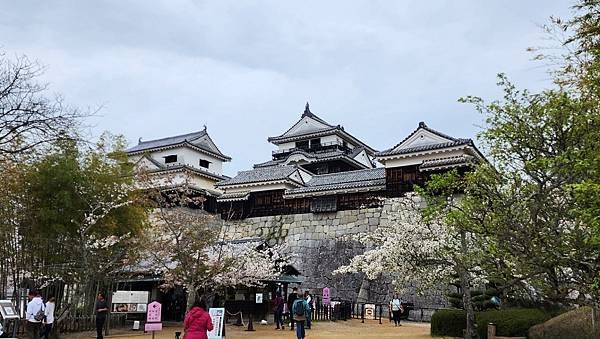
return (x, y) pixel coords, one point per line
(380, 312)
(250, 326)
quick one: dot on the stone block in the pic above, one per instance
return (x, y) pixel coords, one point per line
(373, 221)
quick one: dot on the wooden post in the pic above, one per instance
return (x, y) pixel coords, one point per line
(491, 331)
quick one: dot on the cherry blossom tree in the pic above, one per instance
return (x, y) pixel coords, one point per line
(418, 247)
(187, 246)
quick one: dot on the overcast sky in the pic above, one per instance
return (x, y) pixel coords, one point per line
(246, 68)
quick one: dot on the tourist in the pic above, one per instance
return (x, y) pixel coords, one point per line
(300, 312)
(101, 313)
(197, 322)
(309, 302)
(290, 302)
(278, 310)
(49, 313)
(34, 315)
(396, 308)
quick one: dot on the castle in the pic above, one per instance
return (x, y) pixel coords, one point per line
(320, 184)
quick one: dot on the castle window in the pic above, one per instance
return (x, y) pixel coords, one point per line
(315, 143)
(204, 163)
(302, 144)
(324, 204)
(169, 159)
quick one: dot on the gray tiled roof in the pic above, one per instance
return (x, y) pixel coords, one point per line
(333, 154)
(456, 142)
(461, 160)
(191, 169)
(343, 180)
(260, 175)
(195, 138)
(237, 196)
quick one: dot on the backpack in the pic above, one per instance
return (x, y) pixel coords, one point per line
(299, 309)
(41, 314)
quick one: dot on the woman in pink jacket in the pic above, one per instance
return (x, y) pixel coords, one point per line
(197, 322)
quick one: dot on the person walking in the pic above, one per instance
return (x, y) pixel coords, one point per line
(278, 310)
(396, 308)
(299, 311)
(309, 302)
(290, 302)
(34, 314)
(49, 314)
(197, 322)
(101, 314)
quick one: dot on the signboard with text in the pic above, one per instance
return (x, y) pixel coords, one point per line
(326, 296)
(154, 312)
(217, 315)
(7, 310)
(129, 301)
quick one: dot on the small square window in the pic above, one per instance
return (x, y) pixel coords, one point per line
(169, 159)
(204, 163)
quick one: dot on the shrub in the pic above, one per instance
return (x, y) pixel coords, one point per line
(511, 322)
(448, 323)
(574, 324)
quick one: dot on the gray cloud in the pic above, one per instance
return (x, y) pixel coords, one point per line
(245, 68)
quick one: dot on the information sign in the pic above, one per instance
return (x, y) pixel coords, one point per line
(153, 327)
(154, 312)
(129, 301)
(217, 316)
(259, 298)
(7, 310)
(370, 311)
(326, 296)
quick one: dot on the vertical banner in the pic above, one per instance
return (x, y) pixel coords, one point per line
(326, 296)
(217, 315)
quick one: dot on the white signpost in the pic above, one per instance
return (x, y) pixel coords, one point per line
(217, 315)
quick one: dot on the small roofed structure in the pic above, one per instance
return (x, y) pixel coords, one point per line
(189, 161)
(423, 152)
(260, 190)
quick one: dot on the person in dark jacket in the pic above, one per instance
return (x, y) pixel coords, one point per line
(278, 310)
(101, 313)
(197, 322)
(290, 302)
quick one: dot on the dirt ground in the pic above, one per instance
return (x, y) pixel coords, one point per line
(320, 330)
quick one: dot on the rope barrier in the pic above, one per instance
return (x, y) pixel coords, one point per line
(234, 314)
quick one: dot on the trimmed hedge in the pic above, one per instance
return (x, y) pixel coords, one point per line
(448, 323)
(509, 322)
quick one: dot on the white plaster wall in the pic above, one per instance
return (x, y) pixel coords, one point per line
(363, 158)
(416, 160)
(188, 156)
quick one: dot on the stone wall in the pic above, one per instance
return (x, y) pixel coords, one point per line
(321, 243)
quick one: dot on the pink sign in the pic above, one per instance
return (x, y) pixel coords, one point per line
(326, 296)
(154, 312)
(153, 327)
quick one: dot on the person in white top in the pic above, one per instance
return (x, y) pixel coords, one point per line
(49, 313)
(396, 309)
(34, 306)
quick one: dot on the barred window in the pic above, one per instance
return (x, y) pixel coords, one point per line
(324, 204)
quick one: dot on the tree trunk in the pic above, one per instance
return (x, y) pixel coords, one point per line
(190, 296)
(465, 284)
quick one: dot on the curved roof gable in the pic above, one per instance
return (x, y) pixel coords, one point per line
(422, 139)
(199, 139)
